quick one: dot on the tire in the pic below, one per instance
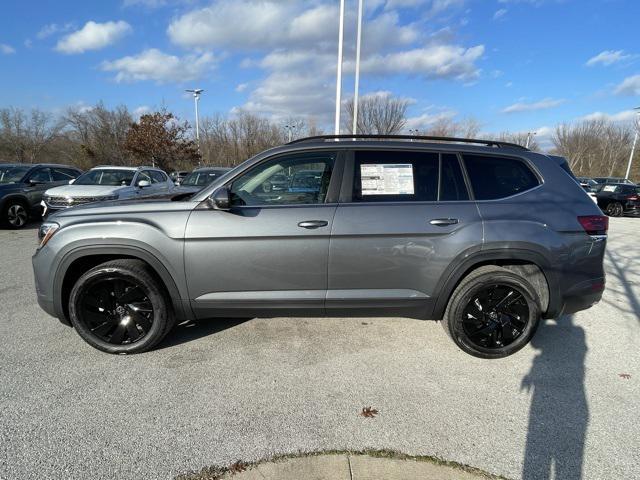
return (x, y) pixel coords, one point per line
(488, 331)
(614, 209)
(120, 307)
(15, 214)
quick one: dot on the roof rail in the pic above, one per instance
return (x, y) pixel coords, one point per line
(488, 143)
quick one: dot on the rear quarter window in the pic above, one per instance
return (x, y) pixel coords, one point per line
(498, 177)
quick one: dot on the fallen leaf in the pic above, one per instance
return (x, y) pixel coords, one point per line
(369, 412)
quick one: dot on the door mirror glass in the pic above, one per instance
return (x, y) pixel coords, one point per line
(144, 183)
(220, 199)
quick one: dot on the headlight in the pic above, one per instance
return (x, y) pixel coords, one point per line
(46, 231)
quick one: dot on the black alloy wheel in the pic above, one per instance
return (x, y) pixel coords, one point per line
(16, 215)
(495, 316)
(614, 209)
(116, 310)
(121, 306)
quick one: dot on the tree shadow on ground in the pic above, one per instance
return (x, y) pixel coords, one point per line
(559, 413)
(626, 270)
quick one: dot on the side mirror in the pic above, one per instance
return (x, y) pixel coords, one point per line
(71, 181)
(34, 183)
(220, 199)
(144, 184)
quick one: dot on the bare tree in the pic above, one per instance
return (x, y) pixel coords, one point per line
(25, 135)
(377, 114)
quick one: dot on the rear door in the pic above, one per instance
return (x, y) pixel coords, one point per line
(403, 217)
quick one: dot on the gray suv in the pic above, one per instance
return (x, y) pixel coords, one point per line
(486, 236)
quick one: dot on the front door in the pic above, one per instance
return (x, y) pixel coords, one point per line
(402, 219)
(267, 255)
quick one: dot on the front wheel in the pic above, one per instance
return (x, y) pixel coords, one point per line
(120, 307)
(493, 313)
(15, 214)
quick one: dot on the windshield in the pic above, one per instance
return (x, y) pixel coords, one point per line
(105, 176)
(11, 174)
(201, 178)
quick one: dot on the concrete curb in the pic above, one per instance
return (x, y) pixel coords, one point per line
(344, 466)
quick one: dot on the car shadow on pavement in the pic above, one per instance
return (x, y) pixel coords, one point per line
(559, 413)
(192, 330)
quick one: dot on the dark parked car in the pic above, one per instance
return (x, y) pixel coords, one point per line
(22, 187)
(404, 226)
(199, 178)
(177, 177)
(618, 199)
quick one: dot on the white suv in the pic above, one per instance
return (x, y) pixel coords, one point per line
(107, 183)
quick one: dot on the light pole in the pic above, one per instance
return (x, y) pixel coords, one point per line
(357, 85)
(196, 97)
(339, 79)
(635, 141)
(529, 136)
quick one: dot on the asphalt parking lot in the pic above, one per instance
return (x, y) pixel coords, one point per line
(218, 392)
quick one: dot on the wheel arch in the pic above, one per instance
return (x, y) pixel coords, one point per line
(541, 275)
(79, 260)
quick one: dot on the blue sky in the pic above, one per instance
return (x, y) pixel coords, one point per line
(515, 65)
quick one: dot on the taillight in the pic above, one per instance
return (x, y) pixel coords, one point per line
(594, 224)
(632, 197)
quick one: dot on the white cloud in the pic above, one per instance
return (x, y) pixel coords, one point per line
(435, 61)
(530, 107)
(629, 86)
(434, 7)
(53, 28)
(623, 116)
(152, 64)
(93, 36)
(6, 49)
(608, 57)
(241, 87)
(141, 110)
(427, 119)
(500, 13)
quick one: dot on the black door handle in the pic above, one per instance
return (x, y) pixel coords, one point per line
(443, 222)
(311, 224)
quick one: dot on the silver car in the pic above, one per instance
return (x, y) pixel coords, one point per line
(468, 233)
(107, 183)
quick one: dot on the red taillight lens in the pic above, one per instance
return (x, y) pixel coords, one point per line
(595, 224)
(632, 197)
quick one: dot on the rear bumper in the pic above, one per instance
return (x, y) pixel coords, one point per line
(582, 296)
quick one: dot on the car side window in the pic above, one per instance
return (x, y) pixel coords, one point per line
(498, 177)
(144, 175)
(63, 174)
(41, 175)
(299, 179)
(395, 176)
(452, 185)
(157, 177)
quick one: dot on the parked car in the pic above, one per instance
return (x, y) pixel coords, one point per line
(22, 186)
(603, 180)
(589, 185)
(618, 199)
(201, 177)
(177, 177)
(107, 183)
(469, 233)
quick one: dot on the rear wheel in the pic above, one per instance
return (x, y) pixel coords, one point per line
(614, 209)
(120, 307)
(493, 313)
(15, 214)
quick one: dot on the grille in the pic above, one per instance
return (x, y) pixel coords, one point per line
(64, 202)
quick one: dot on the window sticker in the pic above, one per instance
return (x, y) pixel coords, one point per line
(609, 188)
(387, 179)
